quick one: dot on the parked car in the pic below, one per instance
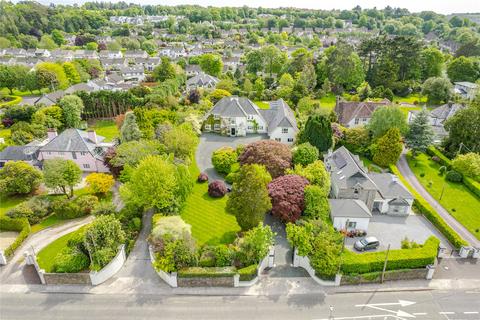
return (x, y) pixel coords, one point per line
(368, 243)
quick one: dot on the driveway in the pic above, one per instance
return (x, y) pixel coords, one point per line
(209, 142)
(392, 230)
(451, 221)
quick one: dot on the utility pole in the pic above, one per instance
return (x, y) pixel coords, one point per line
(385, 264)
(441, 194)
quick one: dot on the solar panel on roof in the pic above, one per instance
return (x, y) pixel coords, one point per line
(339, 160)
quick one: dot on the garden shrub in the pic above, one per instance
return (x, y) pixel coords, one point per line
(454, 176)
(104, 208)
(468, 165)
(20, 225)
(86, 203)
(353, 263)
(253, 246)
(217, 189)
(432, 151)
(472, 185)
(215, 256)
(202, 177)
(275, 156)
(315, 173)
(70, 260)
(19, 177)
(442, 170)
(316, 203)
(223, 159)
(34, 209)
(100, 183)
(173, 226)
(422, 206)
(202, 272)
(248, 273)
(22, 210)
(304, 154)
(287, 194)
(175, 255)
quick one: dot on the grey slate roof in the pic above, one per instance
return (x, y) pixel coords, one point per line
(202, 79)
(18, 153)
(446, 111)
(279, 115)
(72, 140)
(232, 107)
(389, 186)
(349, 208)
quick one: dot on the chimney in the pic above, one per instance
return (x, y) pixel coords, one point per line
(51, 134)
(92, 136)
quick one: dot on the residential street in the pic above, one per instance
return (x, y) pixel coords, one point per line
(450, 305)
(451, 221)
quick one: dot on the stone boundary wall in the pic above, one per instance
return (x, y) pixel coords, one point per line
(408, 274)
(87, 278)
(304, 262)
(206, 282)
(267, 262)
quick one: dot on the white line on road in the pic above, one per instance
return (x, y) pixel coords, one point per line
(471, 312)
(446, 312)
(419, 313)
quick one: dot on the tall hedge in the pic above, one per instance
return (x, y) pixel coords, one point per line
(354, 263)
(20, 225)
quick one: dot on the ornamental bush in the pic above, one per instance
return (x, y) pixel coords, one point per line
(316, 174)
(223, 159)
(173, 227)
(287, 194)
(22, 210)
(217, 189)
(70, 260)
(202, 177)
(253, 246)
(316, 203)
(454, 176)
(100, 183)
(468, 165)
(19, 177)
(104, 208)
(274, 155)
(304, 154)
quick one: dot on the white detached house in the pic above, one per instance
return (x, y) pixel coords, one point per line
(239, 116)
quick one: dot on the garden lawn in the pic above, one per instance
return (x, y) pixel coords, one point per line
(46, 256)
(262, 104)
(328, 102)
(411, 98)
(6, 134)
(207, 216)
(462, 204)
(8, 202)
(105, 128)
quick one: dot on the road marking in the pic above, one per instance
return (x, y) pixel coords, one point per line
(399, 313)
(419, 313)
(446, 312)
(384, 316)
(471, 312)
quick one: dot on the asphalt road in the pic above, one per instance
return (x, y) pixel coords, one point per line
(451, 305)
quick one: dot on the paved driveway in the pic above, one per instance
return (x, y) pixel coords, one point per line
(209, 142)
(392, 230)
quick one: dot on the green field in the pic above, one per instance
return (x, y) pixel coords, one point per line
(210, 223)
(462, 204)
(105, 128)
(46, 256)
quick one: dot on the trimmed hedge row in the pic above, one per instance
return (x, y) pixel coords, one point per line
(358, 263)
(206, 272)
(16, 100)
(471, 184)
(20, 225)
(248, 273)
(426, 210)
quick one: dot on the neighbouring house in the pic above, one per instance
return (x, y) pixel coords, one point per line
(192, 70)
(382, 193)
(238, 116)
(49, 99)
(467, 90)
(437, 118)
(349, 214)
(27, 153)
(357, 113)
(133, 73)
(85, 148)
(202, 80)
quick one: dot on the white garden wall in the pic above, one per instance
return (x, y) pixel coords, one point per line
(169, 278)
(110, 269)
(304, 262)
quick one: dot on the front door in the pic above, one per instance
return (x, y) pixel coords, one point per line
(233, 132)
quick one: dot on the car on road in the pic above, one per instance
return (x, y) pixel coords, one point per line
(367, 243)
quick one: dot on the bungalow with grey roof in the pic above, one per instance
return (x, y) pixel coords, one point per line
(202, 80)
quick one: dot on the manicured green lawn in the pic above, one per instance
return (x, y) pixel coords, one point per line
(411, 98)
(48, 222)
(46, 256)
(105, 128)
(328, 102)
(462, 204)
(8, 202)
(210, 223)
(262, 104)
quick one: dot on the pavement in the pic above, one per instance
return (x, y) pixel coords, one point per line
(209, 142)
(451, 221)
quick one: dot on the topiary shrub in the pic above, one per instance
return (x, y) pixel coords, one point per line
(442, 170)
(287, 194)
(223, 159)
(202, 177)
(454, 176)
(217, 189)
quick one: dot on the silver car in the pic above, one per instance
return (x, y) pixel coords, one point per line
(368, 243)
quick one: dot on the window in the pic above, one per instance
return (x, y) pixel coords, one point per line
(351, 225)
(232, 121)
(284, 130)
(355, 191)
(364, 119)
(250, 128)
(356, 120)
(49, 153)
(278, 139)
(249, 117)
(208, 127)
(260, 127)
(83, 153)
(290, 139)
(86, 166)
(216, 126)
(74, 155)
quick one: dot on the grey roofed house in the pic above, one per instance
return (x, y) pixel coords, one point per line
(18, 153)
(389, 187)
(79, 87)
(351, 112)
(202, 80)
(445, 111)
(50, 98)
(349, 208)
(279, 115)
(72, 140)
(234, 107)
